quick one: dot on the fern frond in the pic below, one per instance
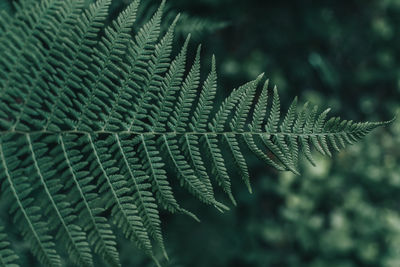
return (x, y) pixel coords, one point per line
(93, 122)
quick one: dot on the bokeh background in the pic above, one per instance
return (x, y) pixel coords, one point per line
(344, 212)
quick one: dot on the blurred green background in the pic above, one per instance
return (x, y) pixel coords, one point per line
(344, 212)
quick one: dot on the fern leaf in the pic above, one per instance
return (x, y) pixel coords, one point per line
(73, 67)
(8, 257)
(252, 145)
(77, 246)
(187, 96)
(157, 65)
(274, 116)
(43, 67)
(19, 34)
(99, 231)
(117, 191)
(307, 130)
(218, 163)
(98, 84)
(260, 109)
(51, 19)
(205, 105)
(239, 159)
(91, 117)
(170, 85)
(242, 112)
(139, 52)
(151, 162)
(145, 202)
(185, 172)
(26, 216)
(190, 145)
(227, 107)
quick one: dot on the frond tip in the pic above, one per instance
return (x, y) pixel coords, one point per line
(300, 131)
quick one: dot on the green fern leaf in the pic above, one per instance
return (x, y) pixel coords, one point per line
(187, 96)
(99, 231)
(93, 121)
(8, 257)
(59, 211)
(26, 214)
(205, 105)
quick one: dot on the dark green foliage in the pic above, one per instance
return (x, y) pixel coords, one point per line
(90, 116)
(195, 25)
